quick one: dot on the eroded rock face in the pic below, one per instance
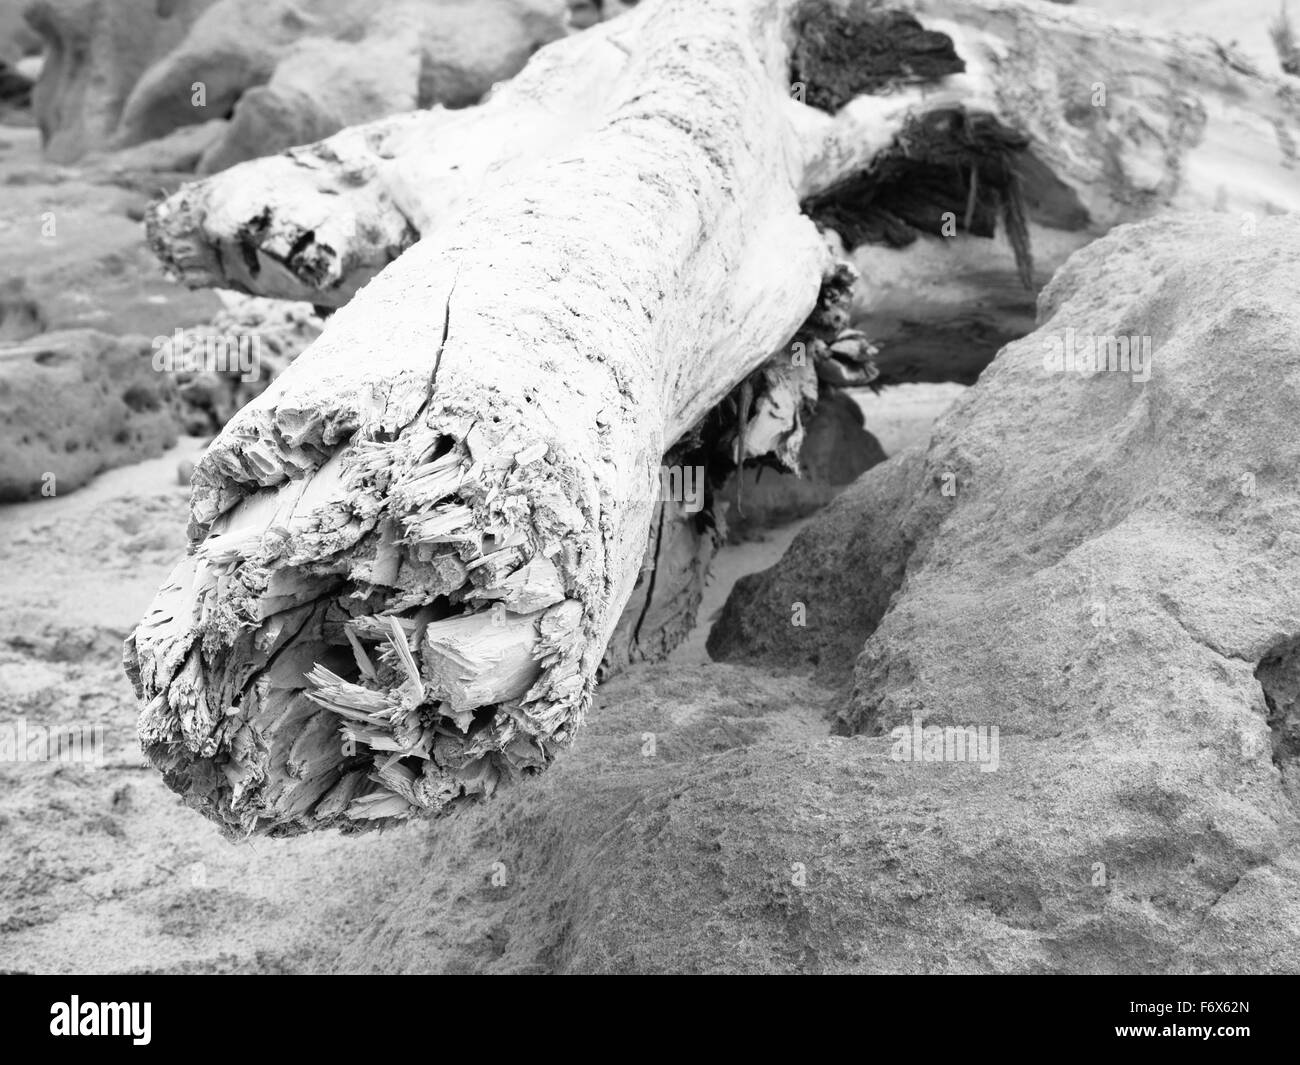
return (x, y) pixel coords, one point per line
(1123, 531)
(1103, 567)
(75, 403)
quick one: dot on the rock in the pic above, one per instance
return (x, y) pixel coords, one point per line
(238, 354)
(176, 152)
(95, 52)
(1112, 529)
(817, 607)
(20, 315)
(70, 239)
(847, 564)
(230, 50)
(470, 45)
(584, 14)
(17, 39)
(85, 267)
(76, 403)
(398, 55)
(1112, 586)
(835, 450)
(319, 88)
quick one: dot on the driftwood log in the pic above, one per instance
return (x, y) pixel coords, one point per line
(410, 555)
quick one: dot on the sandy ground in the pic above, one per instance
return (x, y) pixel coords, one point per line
(101, 868)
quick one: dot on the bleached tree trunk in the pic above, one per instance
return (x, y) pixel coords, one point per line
(424, 535)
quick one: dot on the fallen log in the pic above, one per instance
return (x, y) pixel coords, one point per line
(476, 437)
(410, 554)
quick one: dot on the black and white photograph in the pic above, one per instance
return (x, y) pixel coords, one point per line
(688, 487)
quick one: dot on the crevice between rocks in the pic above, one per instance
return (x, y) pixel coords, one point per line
(1278, 674)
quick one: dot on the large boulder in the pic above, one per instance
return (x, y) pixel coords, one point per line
(319, 88)
(1102, 566)
(234, 48)
(76, 403)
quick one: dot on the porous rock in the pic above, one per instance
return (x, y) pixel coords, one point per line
(76, 403)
